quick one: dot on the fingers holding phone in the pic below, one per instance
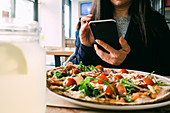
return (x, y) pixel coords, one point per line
(114, 57)
(85, 34)
(86, 19)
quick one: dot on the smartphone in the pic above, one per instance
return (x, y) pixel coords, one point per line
(105, 30)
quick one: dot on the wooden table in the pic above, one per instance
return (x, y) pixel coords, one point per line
(165, 109)
(59, 52)
(63, 106)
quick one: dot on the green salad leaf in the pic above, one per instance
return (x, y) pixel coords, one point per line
(84, 68)
(59, 74)
(127, 98)
(105, 83)
(87, 89)
(129, 88)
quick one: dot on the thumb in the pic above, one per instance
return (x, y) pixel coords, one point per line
(83, 27)
(124, 44)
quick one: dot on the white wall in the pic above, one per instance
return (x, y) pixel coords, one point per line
(75, 15)
(50, 19)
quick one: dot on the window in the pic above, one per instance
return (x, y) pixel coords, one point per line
(163, 6)
(24, 10)
(167, 3)
(85, 8)
(5, 9)
(67, 18)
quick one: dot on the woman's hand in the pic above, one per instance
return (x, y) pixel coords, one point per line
(115, 57)
(85, 34)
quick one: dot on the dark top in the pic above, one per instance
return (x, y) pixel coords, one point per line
(154, 57)
(77, 36)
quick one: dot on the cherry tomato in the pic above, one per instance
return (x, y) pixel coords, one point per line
(68, 82)
(69, 64)
(148, 81)
(99, 67)
(117, 77)
(109, 91)
(102, 76)
(75, 71)
(123, 71)
(63, 70)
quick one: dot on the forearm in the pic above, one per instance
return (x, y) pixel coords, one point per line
(85, 54)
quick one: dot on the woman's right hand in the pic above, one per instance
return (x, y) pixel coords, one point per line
(85, 34)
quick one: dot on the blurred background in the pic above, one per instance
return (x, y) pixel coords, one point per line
(58, 18)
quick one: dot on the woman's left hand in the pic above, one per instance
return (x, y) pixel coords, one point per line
(114, 57)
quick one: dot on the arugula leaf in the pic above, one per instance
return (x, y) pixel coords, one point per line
(67, 88)
(86, 88)
(87, 68)
(149, 93)
(127, 98)
(93, 68)
(84, 68)
(129, 88)
(105, 83)
(150, 74)
(157, 83)
(67, 68)
(59, 74)
(96, 92)
(101, 95)
(160, 84)
(81, 67)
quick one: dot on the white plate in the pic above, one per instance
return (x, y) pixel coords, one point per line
(118, 107)
(115, 107)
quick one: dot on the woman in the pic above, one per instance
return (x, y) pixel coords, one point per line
(145, 42)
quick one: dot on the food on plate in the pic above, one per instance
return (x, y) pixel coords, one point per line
(107, 86)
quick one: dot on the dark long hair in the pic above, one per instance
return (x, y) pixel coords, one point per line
(78, 24)
(140, 11)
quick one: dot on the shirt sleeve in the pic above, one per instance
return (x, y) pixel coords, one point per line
(84, 54)
(162, 46)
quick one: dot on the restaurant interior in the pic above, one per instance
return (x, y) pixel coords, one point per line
(57, 21)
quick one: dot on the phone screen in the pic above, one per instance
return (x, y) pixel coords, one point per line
(106, 30)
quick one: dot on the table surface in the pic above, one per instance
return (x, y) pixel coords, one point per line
(62, 106)
(165, 109)
(59, 51)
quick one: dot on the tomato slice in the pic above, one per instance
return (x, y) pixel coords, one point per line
(69, 64)
(102, 76)
(99, 67)
(122, 100)
(68, 82)
(123, 71)
(109, 91)
(148, 81)
(63, 70)
(75, 71)
(117, 77)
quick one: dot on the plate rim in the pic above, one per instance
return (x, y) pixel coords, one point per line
(113, 107)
